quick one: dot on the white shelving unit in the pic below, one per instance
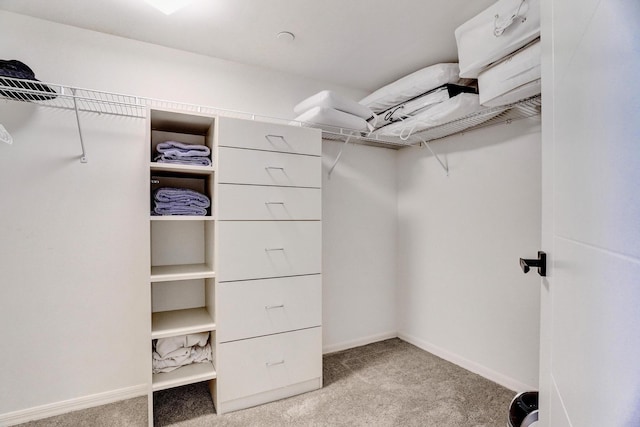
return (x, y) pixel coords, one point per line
(185, 169)
(168, 273)
(182, 218)
(94, 101)
(181, 322)
(182, 274)
(194, 373)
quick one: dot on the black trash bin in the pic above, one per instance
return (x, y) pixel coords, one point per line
(523, 410)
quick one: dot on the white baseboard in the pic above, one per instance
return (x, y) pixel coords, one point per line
(345, 345)
(476, 368)
(52, 409)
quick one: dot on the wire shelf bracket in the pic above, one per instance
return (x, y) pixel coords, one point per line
(83, 158)
(444, 165)
(337, 159)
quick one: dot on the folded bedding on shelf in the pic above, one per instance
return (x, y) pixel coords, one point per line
(331, 119)
(496, 32)
(452, 109)
(419, 104)
(515, 78)
(173, 352)
(331, 99)
(412, 85)
(164, 346)
(180, 201)
(180, 153)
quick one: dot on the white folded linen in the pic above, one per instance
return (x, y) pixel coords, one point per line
(525, 91)
(330, 119)
(512, 79)
(331, 99)
(449, 110)
(411, 86)
(164, 346)
(181, 357)
(418, 104)
(499, 30)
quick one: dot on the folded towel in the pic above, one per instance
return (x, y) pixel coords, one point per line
(164, 346)
(183, 149)
(192, 160)
(181, 357)
(178, 209)
(183, 196)
(180, 153)
(180, 201)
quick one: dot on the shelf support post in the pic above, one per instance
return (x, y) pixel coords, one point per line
(83, 157)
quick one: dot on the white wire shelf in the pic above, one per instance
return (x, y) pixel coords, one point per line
(63, 97)
(526, 108)
(87, 100)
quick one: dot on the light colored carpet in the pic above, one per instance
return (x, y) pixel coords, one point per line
(390, 383)
(131, 412)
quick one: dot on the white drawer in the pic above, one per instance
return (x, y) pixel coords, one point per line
(257, 365)
(240, 166)
(263, 249)
(268, 136)
(255, 202)
(263, 307)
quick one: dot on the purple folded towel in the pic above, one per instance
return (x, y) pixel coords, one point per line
(181, 153)
(180, 201)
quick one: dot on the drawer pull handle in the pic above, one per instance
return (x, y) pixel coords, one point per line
(268, 137)
(274, 203)
(274, 168)
(273, 249)
(271, 307)
(279, 362)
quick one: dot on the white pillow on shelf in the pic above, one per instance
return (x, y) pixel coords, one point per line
(329, 119)
(331, 99)
(410, 86)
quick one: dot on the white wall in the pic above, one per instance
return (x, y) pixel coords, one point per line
(461, 291)
(74, 298)
(359, 224)
(73, 258)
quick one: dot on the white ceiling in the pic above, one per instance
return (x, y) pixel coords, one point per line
(361, 44)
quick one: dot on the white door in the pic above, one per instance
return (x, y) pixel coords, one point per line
(590, 332)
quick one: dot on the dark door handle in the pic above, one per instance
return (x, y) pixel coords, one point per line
(541, 263)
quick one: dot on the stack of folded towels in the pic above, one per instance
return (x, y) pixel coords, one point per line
(179, 201)
(171, 353)
(183, 154)
(330, 111)
(429, 97)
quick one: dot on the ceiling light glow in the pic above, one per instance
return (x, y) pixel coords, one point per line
(168, 6)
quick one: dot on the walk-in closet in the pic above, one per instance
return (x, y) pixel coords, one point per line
(363, 213)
